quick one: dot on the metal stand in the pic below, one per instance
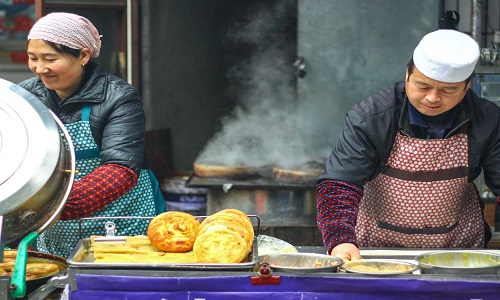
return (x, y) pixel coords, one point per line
(4, 287)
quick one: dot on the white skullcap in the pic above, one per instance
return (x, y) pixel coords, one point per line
(446, 55)
(67, 29)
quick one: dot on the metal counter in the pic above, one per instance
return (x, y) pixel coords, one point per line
(176, 285)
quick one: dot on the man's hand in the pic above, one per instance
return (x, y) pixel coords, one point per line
(346, 252)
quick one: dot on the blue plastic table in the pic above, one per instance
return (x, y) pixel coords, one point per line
(220, 286)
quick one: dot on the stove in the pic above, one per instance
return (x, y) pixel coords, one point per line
(286, 210)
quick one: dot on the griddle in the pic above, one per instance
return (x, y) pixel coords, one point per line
(246, 183)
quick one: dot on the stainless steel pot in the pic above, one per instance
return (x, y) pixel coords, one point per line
(37, 164)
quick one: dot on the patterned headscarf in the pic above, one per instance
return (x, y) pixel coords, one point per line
(67, 29)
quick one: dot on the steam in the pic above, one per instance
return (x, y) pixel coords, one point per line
(268, 126)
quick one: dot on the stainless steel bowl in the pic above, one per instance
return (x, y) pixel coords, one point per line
(379, 267)
(460, 262)
(302, 262)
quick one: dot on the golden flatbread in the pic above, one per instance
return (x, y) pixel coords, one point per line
(173, 231)
(218, 244)
(233, 221)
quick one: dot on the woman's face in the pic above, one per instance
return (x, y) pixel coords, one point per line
(59, 72)
(431, 97)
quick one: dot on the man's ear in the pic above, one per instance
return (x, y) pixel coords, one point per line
(468, 85)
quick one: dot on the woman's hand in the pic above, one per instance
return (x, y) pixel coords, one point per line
(346, 252)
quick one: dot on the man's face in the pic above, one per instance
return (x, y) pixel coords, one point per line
(431, 97)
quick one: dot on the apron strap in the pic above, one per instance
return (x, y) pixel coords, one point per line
(160, 203)
(88, 153)
(86, 112)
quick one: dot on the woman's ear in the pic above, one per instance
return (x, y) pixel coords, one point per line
(85, 56)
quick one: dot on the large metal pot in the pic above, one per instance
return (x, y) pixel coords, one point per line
(37, 164)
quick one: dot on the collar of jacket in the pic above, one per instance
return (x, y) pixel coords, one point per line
(93, 86)
(463, 114)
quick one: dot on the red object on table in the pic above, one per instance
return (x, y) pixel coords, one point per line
(265, 276)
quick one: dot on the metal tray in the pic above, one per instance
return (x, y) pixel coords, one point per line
(301, 263)
(83, 257)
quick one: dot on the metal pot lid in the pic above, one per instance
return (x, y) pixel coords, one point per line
(29, 146)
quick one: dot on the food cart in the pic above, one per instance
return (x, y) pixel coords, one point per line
(155, 282)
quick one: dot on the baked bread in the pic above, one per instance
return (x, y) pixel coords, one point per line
(239, 216)
(218, 244)
(233, 219)
(35, 267)
(242, 219)
(240, 172)
(306, 173)
(230, 224)
(295, 176)
(173, 231)
(208, 170)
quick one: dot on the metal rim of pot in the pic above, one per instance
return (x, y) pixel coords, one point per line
(37, 165)
(18, 283)
(39, 161)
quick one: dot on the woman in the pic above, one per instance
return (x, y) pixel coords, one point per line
(105, 119)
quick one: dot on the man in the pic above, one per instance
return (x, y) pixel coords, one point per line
(401, 173)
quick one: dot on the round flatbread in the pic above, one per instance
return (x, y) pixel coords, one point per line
(218, 244)
(305, 173)
(235, 220)
(208, 170)
(240, 216)
(173, 231)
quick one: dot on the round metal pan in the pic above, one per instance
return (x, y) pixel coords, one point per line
(39, 257)
(301, 262)
(33, 284)
(459, 262)
(379, 267)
